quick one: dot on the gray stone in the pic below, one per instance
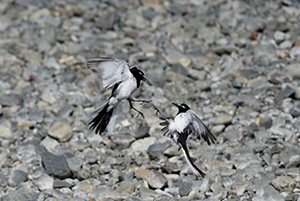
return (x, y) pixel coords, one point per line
(5, 132)
(285, 45)
(156, 179)
(252, 128)
(50, 144)
(185, 189)
(83, 187)
(292, 70)
(123, 139)
(292, 197)
(4, 24)
(108, 20)
(126, 187)
(3, 180)
(80, 10)
(223, 119)
(284, 94)
(90, 158)
(36, 115)
(217, 129)
(83, 174)
(282, 182)
(141, 130)
(74, 163)
(179, 9)
(225, 49)
(174, 57)
(17, 177)
(265, 122)
(147, 193)
(279, 37)
(57, 183)
(61, 131)
(33, 57)
(21, 195)
(296, 90)
(294, 161)
(269, 193)
(295, 51)
(143, 144)
(105, 168)
(64, 110)
(150, 14)
(295, 110)
(66, 77)
(289, 2)
(233, 135)
(203, 85)
(50, 93)
(45, 182)
(156, 150)
(11, 99)
(56, 166)
(288, 152)
(249, 73)
(276, 77)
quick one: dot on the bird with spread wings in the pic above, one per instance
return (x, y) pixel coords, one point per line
(123, 80)
(185, 123)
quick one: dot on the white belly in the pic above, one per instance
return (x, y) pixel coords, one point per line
(125, 89)
(179, 123)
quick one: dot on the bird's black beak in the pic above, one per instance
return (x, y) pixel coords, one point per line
(147, 81)
(176, 104)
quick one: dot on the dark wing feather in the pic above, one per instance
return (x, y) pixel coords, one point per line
(200, 128)
(182, 143)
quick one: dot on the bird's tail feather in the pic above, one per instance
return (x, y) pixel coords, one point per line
(111, 124)
(195, 169)
(101, 120)
(98, 109)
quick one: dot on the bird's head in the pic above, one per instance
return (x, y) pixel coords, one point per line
(181, 107)
(139, 75)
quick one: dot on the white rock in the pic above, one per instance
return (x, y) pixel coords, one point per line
(142, 144)
(45, 182)
(61, 131)
(5, 132)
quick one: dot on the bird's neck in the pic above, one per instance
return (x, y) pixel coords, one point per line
(181, 111)
(138, 82)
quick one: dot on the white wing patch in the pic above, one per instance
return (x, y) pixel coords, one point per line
(112, 71)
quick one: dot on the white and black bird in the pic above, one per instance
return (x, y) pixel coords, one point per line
(185, 123)
(123, 80)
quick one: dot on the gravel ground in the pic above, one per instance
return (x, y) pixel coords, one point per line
(236, 63)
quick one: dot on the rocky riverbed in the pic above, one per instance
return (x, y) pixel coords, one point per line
(236, 63)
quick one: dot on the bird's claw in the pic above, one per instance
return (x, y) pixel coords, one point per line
(145, 101)
(157, 110)
(140, 114)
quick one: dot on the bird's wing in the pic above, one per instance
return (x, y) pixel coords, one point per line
(181, 141)
(200, 128)
(112, 71)
(165, 123)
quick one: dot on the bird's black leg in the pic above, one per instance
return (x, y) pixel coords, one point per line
(157, 111)
(131, 106)
(141, 101)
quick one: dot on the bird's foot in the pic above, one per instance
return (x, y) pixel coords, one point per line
(140, 114)
(157, 110)
(141, 101)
